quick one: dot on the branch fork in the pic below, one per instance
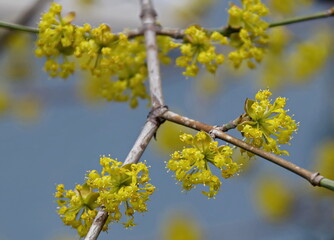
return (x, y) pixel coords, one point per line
(155, 115)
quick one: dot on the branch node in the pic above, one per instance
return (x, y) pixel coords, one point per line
(315, 179)
(212, 131)
(155, 115)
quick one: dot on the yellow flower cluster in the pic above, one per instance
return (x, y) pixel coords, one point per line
(198, 48)
(252, 36)
(248, 38)
(127, 185)
(56, 40)
(267, 125)
(116, 65)
(192, 164)
(115, 186)
(77, 208)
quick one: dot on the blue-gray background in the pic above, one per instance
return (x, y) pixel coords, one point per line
(69, 136)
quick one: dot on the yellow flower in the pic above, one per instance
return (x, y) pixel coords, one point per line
(198, 48)
(267, 125)
(56, 40)
(114, 187)
(116, 65)
(249, 40)
(192, 164)
(77, 208)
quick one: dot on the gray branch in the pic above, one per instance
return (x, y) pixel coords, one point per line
(141, 143)
(97, 225)
(148, 16)
(313, 177)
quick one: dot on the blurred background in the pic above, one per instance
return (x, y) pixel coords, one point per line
(52, 133)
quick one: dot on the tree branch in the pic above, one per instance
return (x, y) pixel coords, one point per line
(134, 155)
(227, 30)
(97, 225)
(313, 177)
(148, 16)
(154, 119)
(151, 126)
(179, 33)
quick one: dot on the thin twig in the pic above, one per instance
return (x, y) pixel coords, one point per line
(18, 27)
(231, 124)
(325, 14)
(313, 177)
(23, 19)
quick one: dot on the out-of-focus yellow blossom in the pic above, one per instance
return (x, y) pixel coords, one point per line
(64, 237)
(18, 66)
(192, 164)
(27, 108)
(297, 62)
(87, 2)
(168, 137)
(273, 198)
(287, 7)
(181, 227)
(251, 36)
(267, 125)
(208, 85)
(192, 10)
(5, 101)
(310, 56)
(275, 68)
(198, 48)
(114, 188)
(324, 163)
